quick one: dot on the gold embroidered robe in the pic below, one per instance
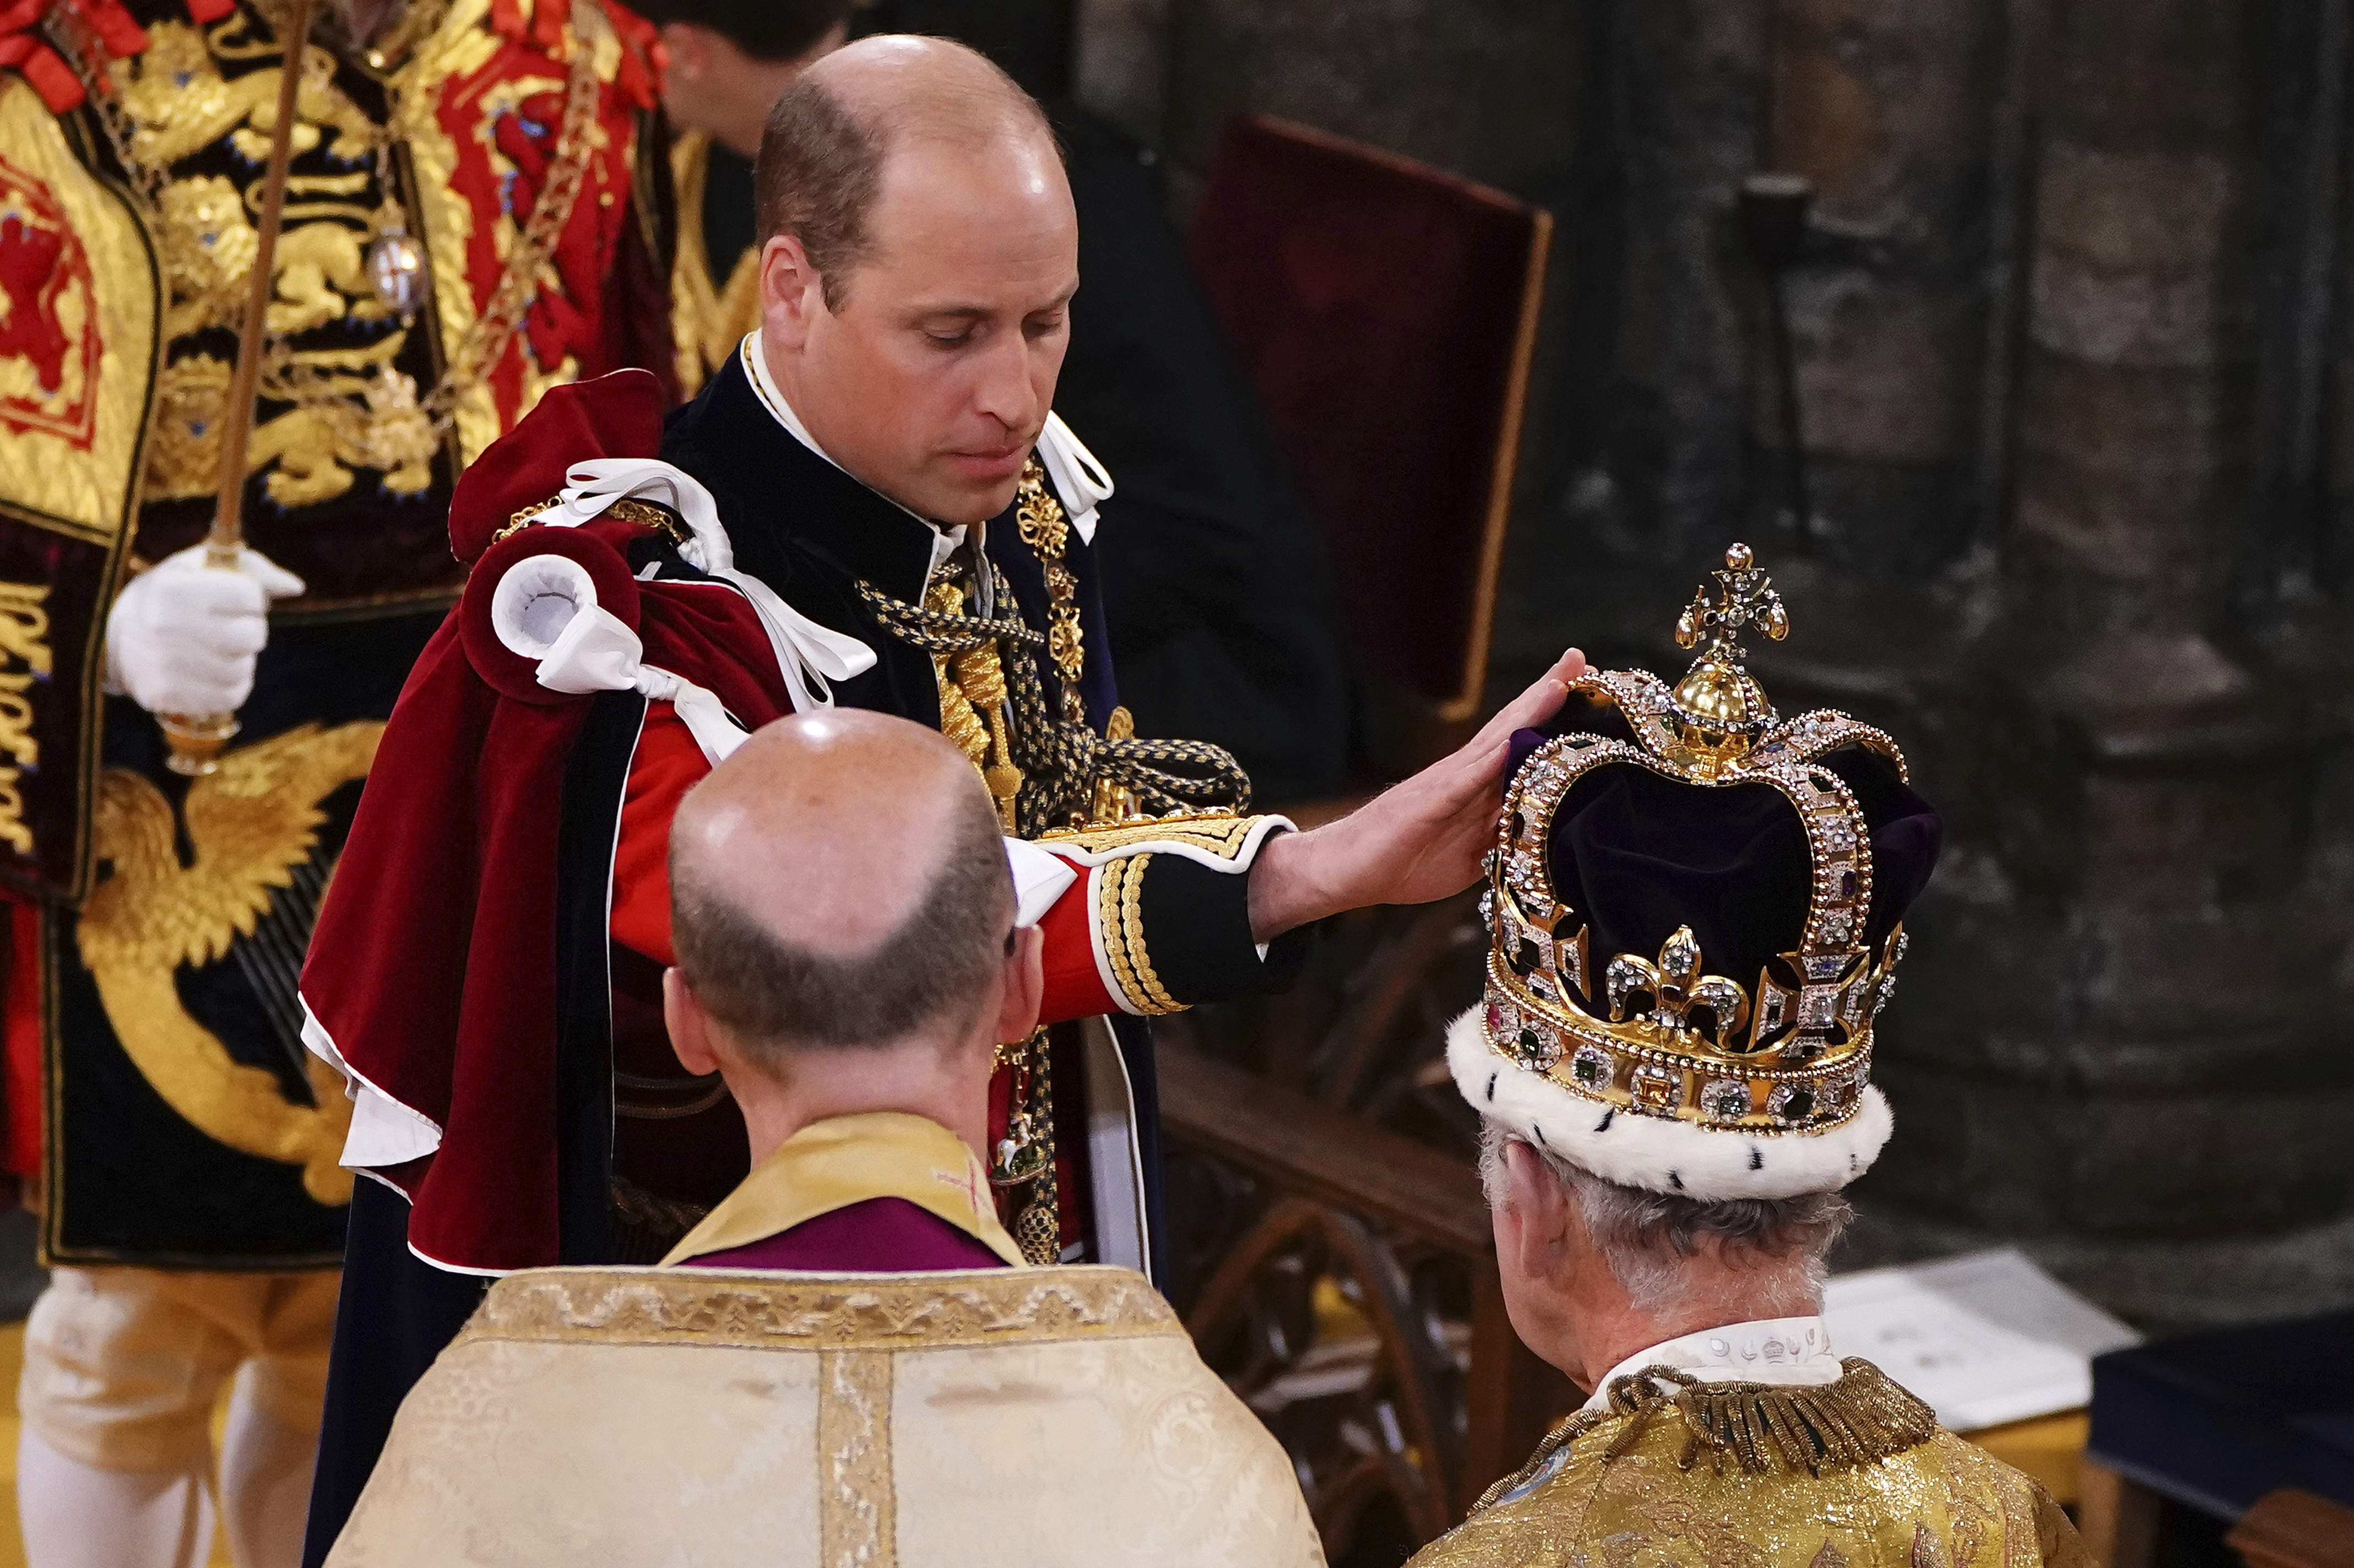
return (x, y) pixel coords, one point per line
(1725, 1475)
(1028, 1417)
(184, 1125)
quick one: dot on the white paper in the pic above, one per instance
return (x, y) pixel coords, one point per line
(1986, 1338)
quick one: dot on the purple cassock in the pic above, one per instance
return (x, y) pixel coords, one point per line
(877, 1236)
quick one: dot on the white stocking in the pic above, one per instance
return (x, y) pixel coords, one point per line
(78, 1516)
(265, 1483)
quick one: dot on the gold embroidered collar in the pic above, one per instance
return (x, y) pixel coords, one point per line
(1753, 1427)
(847, 1160)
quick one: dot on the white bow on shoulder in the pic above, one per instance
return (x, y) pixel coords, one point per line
(809, 656)
(546, 608)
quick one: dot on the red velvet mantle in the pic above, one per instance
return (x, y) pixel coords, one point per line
(433, 967)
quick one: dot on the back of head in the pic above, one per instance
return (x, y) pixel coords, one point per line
(831, 133)
(839, 883)
(1678, 1257)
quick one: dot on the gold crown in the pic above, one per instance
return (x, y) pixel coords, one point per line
(1793, 1053)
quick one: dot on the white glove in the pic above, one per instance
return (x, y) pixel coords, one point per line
(183, 635)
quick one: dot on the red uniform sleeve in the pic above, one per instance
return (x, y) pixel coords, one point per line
(667, 764)
(1075, 986)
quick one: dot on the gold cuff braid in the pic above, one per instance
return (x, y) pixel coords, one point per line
(1119, 912)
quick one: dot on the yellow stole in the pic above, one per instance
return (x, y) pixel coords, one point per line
(846, 1159)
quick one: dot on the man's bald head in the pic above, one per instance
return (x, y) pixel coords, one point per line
(839, 881)
(831, 134)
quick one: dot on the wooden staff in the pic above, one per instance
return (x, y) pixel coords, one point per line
(196, 739)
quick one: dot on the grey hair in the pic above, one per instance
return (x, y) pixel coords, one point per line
(777, 995)
(1773, 1247)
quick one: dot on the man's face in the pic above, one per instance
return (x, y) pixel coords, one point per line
(933, 380)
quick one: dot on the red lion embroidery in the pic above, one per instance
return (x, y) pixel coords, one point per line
(49, 316)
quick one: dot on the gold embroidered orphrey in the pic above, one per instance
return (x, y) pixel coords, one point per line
(1660, 1036)
(722, 1308)
(250, 825)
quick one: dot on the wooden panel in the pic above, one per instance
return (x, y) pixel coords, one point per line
(1309, 1148)
(2290, 1528)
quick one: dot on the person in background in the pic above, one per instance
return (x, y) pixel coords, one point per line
(724, 63)
(851, 952)
(178, 1143)
(1224, 617)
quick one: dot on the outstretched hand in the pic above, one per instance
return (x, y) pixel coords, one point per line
(1414, 841)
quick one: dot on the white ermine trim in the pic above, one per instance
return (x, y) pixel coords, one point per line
(1654, 1153)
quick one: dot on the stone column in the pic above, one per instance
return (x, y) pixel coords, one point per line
(2125, 1048)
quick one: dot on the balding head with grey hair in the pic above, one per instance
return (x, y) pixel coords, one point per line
(839, 883)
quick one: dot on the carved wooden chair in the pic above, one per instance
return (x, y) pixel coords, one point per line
(1355, 1301)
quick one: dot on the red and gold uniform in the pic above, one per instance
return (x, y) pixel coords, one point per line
(494, 994)
(470, 217)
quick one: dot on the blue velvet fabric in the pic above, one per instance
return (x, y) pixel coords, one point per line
(2216, 1420)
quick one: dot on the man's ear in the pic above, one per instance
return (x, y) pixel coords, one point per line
(1025, 986)
(689, 1025)
(1540, 1207)
(792, 294)
(689, 49)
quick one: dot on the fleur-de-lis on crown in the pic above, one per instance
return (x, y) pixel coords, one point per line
(1677, 990)
(1744, 597)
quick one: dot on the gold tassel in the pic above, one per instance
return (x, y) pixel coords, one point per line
(972, 706)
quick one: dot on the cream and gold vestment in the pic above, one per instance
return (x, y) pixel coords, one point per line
(1023, 1416)
(1677, 1473)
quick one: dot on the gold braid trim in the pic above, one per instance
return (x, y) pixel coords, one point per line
(1131, 926)
(1757, 1428)
(1221, 833)
(1119, 916)
(724, 1307)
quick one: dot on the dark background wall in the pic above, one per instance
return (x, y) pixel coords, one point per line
(2072, 350)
